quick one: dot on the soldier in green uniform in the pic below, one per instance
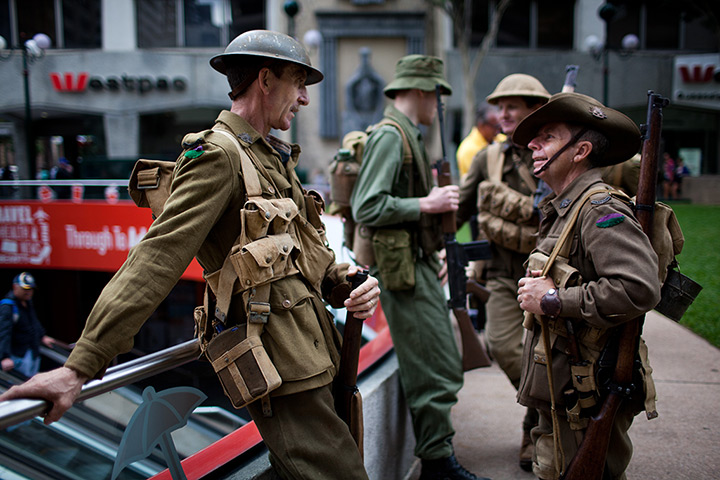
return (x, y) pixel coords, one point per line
(268, 73)
(499, 190)
(572, 137)
(395, 198)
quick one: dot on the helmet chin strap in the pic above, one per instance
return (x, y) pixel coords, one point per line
(572, 141)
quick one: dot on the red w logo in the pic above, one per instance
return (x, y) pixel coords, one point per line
(696, 75)
(67, 82)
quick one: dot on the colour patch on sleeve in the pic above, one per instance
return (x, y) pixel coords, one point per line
(195, 152)
(610, 220)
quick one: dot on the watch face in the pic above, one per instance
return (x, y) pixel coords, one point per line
(550, 303)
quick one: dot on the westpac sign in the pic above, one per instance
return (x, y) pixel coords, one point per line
(696, 80)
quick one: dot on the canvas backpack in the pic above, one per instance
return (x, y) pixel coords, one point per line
(344, 171)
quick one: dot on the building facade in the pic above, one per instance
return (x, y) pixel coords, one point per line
(126, 79)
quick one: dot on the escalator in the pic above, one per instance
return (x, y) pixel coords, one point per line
(84, 443)
(216, 443)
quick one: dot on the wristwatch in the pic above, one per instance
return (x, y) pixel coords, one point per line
(550, 303)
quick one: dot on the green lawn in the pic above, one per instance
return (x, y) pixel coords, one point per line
(700, 260)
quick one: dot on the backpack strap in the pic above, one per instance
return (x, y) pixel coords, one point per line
(563, 244)
(495, 161)
(407, 151)
(227, 278)
(15, 310)
(247, 166)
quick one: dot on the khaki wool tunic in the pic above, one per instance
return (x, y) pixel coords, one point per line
(202, 218)
(619, 271)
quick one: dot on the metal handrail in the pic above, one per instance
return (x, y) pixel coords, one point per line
(13, 412)
(91, 182)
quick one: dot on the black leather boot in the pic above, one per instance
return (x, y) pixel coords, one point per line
(446, 469)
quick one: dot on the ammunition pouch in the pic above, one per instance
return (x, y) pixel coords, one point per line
(395, 258)
(239, 358)
(507, 217)
(502, 201)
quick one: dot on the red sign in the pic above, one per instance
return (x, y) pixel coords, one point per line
(68, 82)
(697, 73)
(93, 235)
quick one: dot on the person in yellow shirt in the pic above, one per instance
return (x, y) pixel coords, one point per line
(485, 132)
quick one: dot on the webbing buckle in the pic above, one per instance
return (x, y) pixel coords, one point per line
(259, 312)
(148, 179)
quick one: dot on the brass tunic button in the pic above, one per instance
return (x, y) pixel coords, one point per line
(271, 190)
(286, 303)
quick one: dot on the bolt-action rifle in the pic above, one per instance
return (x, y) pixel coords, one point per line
(348, 402)
(457, 257)
(589, 461)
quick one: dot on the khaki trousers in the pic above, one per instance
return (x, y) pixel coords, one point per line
(504, 330)
(619, 451)
(306, 438)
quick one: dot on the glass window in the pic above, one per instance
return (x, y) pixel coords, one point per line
(81, 23)
(551, 27)
(515, 25)
(663, 28)
(556, 24)
(156, 23)
(36, 16)
(5, 22)
(480, 22)
(204, 21)
(699, 35)
(246, 15)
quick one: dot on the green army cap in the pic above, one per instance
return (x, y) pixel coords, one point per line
(578, 109)
(418, 71)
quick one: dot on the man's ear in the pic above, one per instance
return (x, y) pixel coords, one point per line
(583, 151)
(265, 78)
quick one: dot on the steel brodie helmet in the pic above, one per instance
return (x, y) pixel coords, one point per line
(518, 85)
(265, 43)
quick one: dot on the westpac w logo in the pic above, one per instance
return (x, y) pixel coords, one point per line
(69, 82)
(696, 73)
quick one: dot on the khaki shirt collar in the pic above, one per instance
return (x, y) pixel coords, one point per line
(248, 137)
(563, 203)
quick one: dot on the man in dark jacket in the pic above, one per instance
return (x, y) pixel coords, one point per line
(21, 333)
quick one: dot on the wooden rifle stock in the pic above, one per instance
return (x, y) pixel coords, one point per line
(348, 402)
(474, 354)
(589, 461)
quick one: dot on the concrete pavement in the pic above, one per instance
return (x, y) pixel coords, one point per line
(682, 443)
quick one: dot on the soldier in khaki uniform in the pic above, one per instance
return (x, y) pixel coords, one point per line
(503, 171)
(572, 137)
(395, 197)
(268, 73)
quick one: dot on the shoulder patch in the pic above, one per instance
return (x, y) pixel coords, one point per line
(193, 139)
(195, 152)
(610, 220)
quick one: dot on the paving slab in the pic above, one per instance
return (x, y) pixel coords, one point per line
(682, 443)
